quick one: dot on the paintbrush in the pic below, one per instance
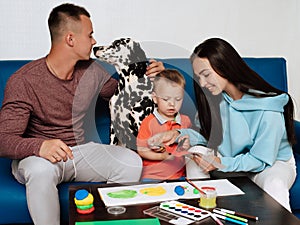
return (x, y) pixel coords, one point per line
(191, 183)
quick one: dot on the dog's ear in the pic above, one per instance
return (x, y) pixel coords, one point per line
(139, 52)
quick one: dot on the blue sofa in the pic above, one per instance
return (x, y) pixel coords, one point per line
(13, 208)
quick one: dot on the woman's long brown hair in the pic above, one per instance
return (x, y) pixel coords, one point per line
(225, 61)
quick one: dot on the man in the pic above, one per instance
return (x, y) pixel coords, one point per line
(42, 116)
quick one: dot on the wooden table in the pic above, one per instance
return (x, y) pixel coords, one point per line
(254, 202)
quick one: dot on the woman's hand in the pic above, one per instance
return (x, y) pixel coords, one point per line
(154, 68)
(206, 162)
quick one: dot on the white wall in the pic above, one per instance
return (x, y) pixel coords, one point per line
(166, 28)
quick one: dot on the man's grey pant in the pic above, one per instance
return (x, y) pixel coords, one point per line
(92, 162)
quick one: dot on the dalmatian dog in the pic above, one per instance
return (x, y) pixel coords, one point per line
(132, 101)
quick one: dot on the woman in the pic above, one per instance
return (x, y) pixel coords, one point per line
(245, 119)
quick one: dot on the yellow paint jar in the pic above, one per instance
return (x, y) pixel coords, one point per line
(209, 199)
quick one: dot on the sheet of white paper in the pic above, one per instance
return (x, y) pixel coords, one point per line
(223, 187)
(158, 192)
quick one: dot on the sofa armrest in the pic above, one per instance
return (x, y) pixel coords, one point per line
(296, 147)
(294, 191)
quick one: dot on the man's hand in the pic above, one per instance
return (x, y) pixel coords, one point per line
(154, 68)
(55, 150)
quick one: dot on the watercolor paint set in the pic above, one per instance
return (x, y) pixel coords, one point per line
(185, 210)
(176, 212)
(164, 215)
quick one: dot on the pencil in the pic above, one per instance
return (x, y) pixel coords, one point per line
(191, 183)
(216, 219)
(250, 217)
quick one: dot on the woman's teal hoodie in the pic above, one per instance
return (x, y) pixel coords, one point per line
(254, 133)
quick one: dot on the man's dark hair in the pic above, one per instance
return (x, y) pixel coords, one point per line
(59, 16)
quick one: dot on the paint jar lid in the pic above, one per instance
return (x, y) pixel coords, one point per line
(209, 191)
(116, 210)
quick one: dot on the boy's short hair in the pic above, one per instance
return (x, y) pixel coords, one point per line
(170, 75)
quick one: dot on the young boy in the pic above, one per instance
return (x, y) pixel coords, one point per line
(161, 162)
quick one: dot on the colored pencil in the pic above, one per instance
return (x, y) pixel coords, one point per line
(230, 215)
(229, 219)
(216, 219)
(250, 217)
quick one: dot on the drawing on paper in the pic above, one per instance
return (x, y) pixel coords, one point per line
(153, 191)
(122, 194)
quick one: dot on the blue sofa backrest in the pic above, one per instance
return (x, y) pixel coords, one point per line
(273, 70)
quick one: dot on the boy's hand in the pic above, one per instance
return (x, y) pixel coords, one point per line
(159, 149)
(183, 146)
(166, 138)
(183, 143)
